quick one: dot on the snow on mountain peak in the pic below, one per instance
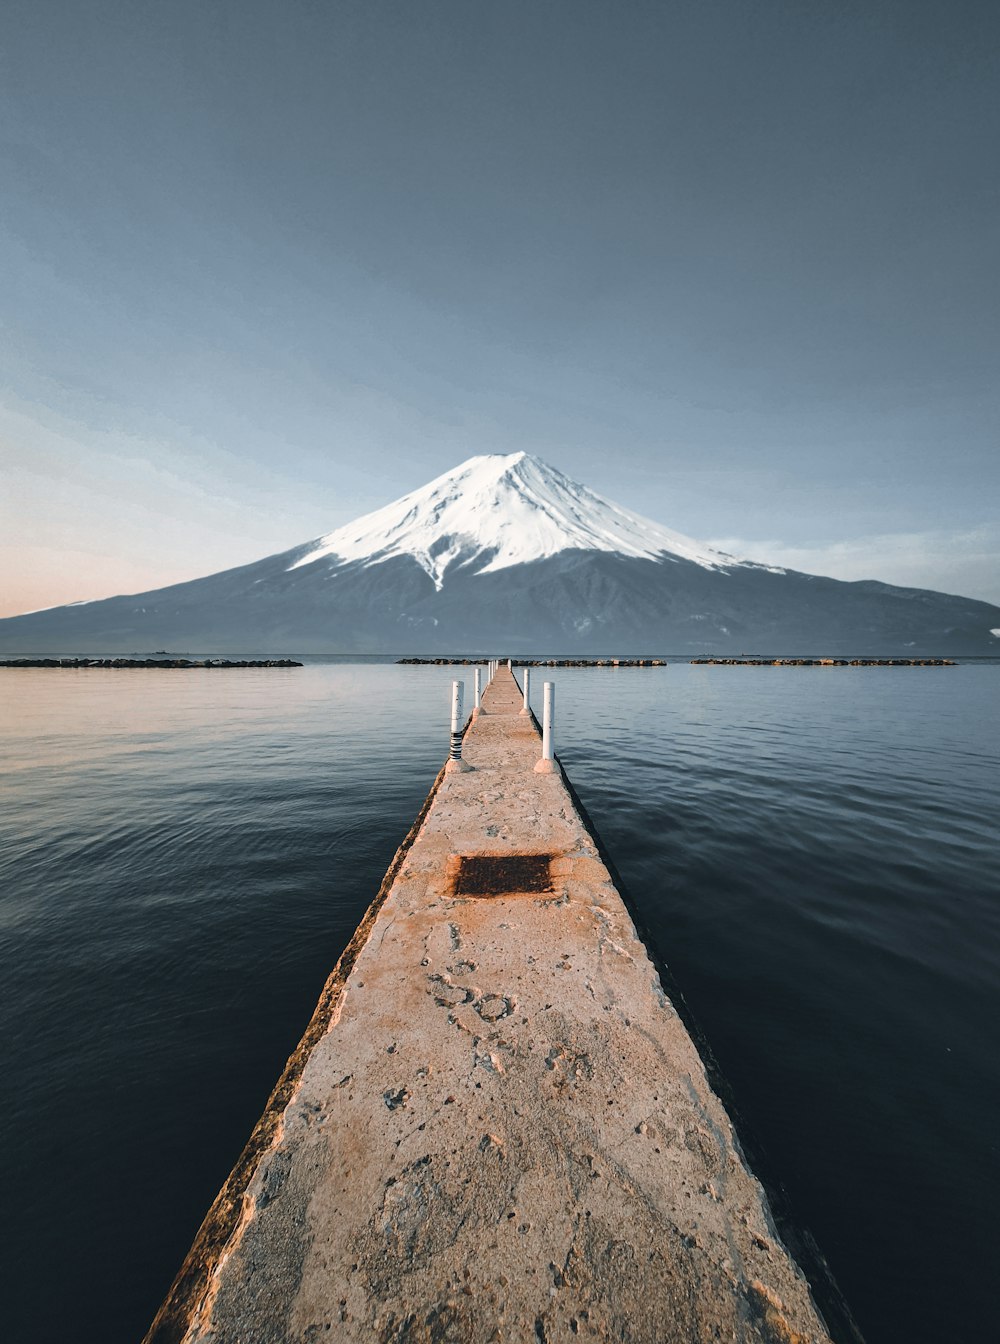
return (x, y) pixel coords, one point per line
(499, 510)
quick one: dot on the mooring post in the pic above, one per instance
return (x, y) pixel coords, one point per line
(477, 708)
(457, 696)
(455, 761)
(527, 683)
(547, 765)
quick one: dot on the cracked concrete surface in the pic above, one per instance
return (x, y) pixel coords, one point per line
(498, 1128)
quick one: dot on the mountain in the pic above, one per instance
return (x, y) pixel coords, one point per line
(492, 513)
(506, 553)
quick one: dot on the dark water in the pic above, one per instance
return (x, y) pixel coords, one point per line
(184, 856)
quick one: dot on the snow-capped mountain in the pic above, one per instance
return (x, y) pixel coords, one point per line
(505, 553)
(496, 511)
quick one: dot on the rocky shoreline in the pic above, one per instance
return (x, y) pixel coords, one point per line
(823, 662)
(148, 662)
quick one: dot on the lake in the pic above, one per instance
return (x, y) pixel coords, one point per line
(812, 853)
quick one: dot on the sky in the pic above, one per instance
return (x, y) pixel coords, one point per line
(267, 266)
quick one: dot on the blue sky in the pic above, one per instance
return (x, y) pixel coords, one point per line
(266, 266)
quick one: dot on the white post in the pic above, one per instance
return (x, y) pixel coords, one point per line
(508, 665)
(476, 687)
(548, 719)
(526, 671)
(547, 765)
(457, 696)
(455, 761)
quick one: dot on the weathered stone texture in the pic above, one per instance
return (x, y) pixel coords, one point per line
(505, 1132)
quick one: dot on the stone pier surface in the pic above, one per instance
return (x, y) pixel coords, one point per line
(496, 1128)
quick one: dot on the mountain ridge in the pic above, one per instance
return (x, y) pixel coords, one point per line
(506, 552)
(512, 508)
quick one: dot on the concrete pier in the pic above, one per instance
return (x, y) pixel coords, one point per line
(496, 1127)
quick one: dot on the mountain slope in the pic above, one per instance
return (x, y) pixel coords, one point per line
(497, 511)
(505, 552)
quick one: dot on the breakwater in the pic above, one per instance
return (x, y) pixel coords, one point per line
(496, 1125)
(539, 662)
(149, 662)
(823, 662)
(696, 662)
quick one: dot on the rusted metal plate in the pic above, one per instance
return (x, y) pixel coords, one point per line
(501, 874)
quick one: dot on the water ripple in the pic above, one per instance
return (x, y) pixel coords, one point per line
(182, 860)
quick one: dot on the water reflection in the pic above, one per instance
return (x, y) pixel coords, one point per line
(183, 855)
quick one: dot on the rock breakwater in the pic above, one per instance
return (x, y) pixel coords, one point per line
(148, 662)
(823, 662)
(538, 662)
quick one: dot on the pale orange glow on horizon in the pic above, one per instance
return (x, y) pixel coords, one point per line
(40, 576)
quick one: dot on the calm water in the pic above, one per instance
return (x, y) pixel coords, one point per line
(813, 851)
